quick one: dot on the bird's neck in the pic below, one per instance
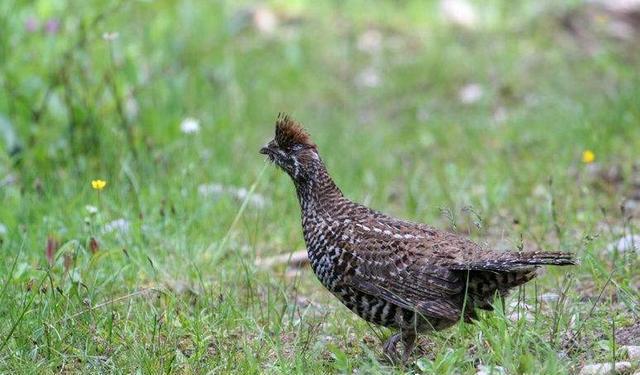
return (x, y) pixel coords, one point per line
(316, 190)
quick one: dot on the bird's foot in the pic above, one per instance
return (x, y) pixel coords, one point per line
(390, 348)
(409, 341)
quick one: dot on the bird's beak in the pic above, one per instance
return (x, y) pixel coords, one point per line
(268, 149)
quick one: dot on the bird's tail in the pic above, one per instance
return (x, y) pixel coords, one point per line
(540, 258)
(511, 261)
(501, 271)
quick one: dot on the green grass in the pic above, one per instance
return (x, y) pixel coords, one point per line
(179, 290)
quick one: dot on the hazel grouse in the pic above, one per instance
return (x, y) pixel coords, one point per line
(393, 272)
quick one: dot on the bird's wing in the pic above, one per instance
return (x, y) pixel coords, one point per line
(390, 271)
(427, 270)
(410, 299)
(449, 250)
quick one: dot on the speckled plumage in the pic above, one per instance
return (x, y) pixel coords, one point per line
(393, 272)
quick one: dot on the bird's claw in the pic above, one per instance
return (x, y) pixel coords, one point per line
(390, 348)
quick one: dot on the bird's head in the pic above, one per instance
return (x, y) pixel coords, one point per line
(292, 149)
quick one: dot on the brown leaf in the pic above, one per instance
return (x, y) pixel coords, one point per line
(629, 335)
(51, 248)
(68, 262)
(94, 246)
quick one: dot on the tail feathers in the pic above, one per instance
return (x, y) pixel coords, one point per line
(483, 286)
(540, 258)
(512, 261)
(498, 273)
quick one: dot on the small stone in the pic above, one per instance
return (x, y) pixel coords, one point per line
(606, 368)
(631, 205)
(633, 352)
(8, 180)
(516, 316)
(629, 335)
(625, 244)
(548, 297)
(490, 370)
(623, 6)
(520, 310)
(296, 259)
(500, 115)
(540, 191)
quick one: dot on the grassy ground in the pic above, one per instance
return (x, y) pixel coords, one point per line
(169, 281)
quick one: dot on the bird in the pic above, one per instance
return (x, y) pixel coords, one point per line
(395, 273)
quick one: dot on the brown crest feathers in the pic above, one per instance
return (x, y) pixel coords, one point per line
(289, 132)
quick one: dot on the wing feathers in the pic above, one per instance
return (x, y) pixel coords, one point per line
(429, 306)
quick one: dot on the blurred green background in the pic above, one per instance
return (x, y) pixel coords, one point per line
(477, 117)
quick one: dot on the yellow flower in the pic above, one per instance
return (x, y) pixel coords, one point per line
(98, 184)
(588, 156)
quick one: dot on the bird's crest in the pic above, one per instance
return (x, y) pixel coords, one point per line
(289, 132)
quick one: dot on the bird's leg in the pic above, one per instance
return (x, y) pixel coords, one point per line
(409, 341)
(389, 347)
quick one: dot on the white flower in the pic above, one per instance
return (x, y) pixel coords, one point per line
(211, 189)
(119, 225)
(3, 229)
(92, 210)
(190, 126)
(459, 12)
(370, 41)
(110, 36)
(368, 77)
(215, 191)
(131, 108)
(470, 93)
(264, 20)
